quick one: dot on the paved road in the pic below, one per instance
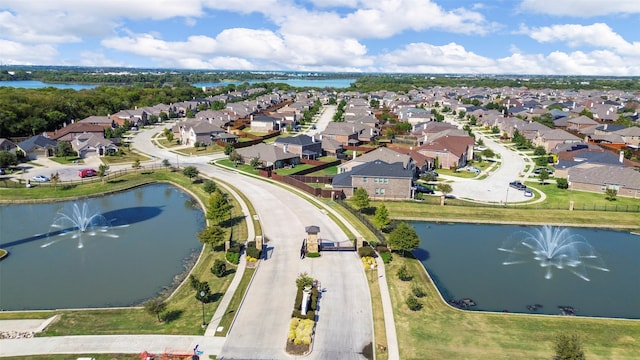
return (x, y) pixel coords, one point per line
(260, 329)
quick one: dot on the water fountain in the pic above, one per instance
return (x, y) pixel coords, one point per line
(80, 221)
(554, 247)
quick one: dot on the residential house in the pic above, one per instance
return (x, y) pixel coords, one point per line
(555, 137)
(136, 117)
(380, 154)
(37, 147)
(7, 145)
(269, 155)
(580, 123)
(70, 132)
(306, 147)
(381, 180)
(600, 177)
(348, 134)
(449, 152)
(89, 145)
(263, 123)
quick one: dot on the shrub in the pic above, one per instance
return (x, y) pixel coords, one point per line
(382, 248)
(366, 251)
(413, 303)
(368, 262)
(253, 252)
(233, 257)
(219, 268)
(235, 248)
(386, 257)
(304, 280)
(403, 273)
(562, 183)
(313, 255)
(418, 291)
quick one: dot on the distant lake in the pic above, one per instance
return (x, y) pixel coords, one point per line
(34, 84)
(319, 83)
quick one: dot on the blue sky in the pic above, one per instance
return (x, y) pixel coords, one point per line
(537, 37)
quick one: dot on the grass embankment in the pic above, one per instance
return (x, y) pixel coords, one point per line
(440, 332)
(184, 311)
(536, 214)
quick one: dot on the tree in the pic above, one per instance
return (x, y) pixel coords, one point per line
(219, 268)
(218, 207)
(7, 159)
(539, 151)
(488, 153)
(404, 238)
(444, 188)
(543, 176)
(568, 347)
(170, 136)
(55, 178)
(562, 183)
(166, 163)
(209, 186)
(381, 218)
(610, 194)
(213, 235)
(136, 164)
(228, 149)
(64, 149)
(235, 157)
(102, 171)
(255, 162)
(360, 198)
(304, 280)
(190, 172)
(155, 307)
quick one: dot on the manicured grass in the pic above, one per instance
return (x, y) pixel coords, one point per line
(293, 170)
(188, 151)
(246, 168)
(426, 211)
(379, 330)
(440, 332)
(128, 157)
(236, 300)
(67, 160)
(333, 170)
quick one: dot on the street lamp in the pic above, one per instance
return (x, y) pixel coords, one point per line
(202, 294)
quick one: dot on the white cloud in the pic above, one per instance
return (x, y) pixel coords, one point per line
(14, 53)
(383, 19)
(422, 57)
(598, 35)
(599, 62)
(581, 8)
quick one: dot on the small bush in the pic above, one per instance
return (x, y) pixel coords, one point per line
(313, 255)
(381, 248)
(233, 257)
(253, 252)
(413, 303)
(219, 268)
(403, 273)
(235, 248)
(304, 280)
(386, 257)
(366, 251)
(418, 291)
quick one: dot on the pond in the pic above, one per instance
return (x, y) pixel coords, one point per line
(533, 269)
(115, 250)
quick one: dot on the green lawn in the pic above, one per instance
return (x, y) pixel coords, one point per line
(293, 170)
(438, 331)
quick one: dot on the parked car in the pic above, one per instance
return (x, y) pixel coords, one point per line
(87, 173)
(474, 170)
(539, 170)
(423, 189)
(517, 185)
(528, 193)
(40, 178)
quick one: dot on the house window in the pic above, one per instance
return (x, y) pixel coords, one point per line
(386, 180)
(381, 191)
(375, 180)
(364, 179)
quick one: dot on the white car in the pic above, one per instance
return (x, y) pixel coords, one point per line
(40, 178)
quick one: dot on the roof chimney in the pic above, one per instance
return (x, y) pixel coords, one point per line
(621, 159)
